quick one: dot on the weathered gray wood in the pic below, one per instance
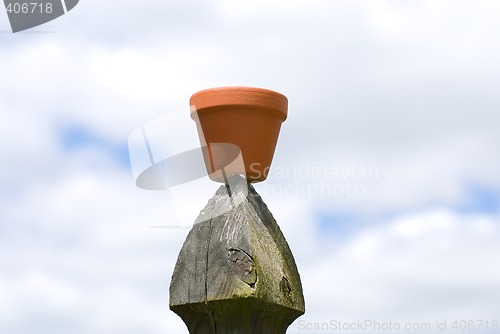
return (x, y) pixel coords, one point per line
(235, 272)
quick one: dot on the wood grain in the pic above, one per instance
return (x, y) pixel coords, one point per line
(235, 272)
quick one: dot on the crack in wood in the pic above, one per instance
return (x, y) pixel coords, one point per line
(212, 317)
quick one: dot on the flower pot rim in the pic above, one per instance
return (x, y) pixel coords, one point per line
(258, 98)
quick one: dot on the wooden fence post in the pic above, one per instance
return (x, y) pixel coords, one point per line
(235, 273)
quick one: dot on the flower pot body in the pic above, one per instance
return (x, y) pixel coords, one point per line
(238, 128)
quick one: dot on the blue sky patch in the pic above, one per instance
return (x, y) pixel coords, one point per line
(74, 138)
(481, 198)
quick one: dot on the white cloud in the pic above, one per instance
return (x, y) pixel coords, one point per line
(434, 265)
(80, 254)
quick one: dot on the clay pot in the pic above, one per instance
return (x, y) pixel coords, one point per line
(239, 122)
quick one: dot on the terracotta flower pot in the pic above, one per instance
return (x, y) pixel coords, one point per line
(233, 120)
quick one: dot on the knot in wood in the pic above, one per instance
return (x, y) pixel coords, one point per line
(242, 266)
(285, 287)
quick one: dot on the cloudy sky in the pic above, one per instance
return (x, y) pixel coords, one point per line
(385, 180)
